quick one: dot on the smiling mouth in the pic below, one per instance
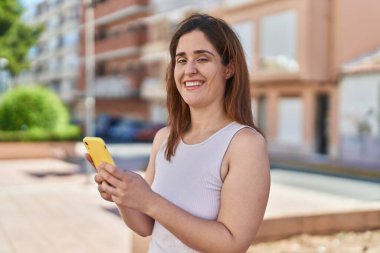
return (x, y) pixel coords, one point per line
(193, 83)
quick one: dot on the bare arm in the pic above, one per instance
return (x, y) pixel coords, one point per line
(134, 219)
(243, 200)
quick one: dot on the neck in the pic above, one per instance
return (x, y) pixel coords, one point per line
(203, 120)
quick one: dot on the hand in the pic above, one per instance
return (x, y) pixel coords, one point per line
(99, 180)
(128, 189)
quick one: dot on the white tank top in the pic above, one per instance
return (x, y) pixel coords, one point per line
(191, 181)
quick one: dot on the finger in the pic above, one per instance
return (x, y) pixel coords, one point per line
(101, 166)
(116, 200)
(89, 159)
(119, 174)
(110, 178)
(100, 189)
(106, 196)
(98, 179)
(107, 188)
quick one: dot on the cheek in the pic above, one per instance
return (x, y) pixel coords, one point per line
(177, 79)
(177, 72)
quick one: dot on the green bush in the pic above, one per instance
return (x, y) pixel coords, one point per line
(37, 134)
(34, 113)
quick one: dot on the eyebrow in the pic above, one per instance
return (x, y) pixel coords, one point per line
(201, 51)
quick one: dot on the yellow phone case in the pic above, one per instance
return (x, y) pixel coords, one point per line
(98, 151)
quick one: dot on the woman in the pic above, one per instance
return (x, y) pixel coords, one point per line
(207, 181)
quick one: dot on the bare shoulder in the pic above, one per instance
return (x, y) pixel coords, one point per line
(160, 136)
(248, 139)
(248, 152)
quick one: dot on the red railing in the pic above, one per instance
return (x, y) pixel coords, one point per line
(110, 6)
(121, 41)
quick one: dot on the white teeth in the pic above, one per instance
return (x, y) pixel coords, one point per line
(192, 84)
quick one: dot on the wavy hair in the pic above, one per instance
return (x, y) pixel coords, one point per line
(237, 96)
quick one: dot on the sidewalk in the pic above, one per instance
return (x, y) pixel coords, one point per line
(47, 206)
(324, 164)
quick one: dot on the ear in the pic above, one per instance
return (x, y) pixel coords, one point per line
(230, 71)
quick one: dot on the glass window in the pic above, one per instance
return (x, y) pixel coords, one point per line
(245, 32)
(71, 61)
(54, 65)
(54, 22)
(53, 43)
(278, 48)
(290, 120)
(71, 38)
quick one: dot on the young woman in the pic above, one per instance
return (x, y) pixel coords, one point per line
(207, 181)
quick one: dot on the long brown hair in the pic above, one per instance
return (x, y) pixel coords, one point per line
(237, 97)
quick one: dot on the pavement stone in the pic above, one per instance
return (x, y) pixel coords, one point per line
(48, 205)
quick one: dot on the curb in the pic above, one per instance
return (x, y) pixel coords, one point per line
(331, 169)
(284, 227)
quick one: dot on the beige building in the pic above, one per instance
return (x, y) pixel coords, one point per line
(295, 50)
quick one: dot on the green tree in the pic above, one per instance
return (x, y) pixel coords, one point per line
(16, 37)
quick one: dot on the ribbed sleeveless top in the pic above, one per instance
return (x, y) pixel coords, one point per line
(192, 181)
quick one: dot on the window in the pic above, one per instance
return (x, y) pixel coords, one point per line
(71, 38)
(54, 22)
(101, 33)
(278, 48)
(101, 69)
(53, 43)
(290, 120)
(245, 32)
(70, 61)
(159, 113)
(55, 65)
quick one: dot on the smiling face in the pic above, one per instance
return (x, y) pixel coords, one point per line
(199, 73)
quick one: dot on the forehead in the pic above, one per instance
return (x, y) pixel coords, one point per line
(193, 41)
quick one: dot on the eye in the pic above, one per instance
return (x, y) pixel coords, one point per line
(181, 60)
(202, 59)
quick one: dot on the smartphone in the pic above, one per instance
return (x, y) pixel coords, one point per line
(98, 151)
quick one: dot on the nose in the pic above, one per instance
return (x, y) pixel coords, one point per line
(191, 68)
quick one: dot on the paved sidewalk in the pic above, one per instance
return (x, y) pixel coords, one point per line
(47, 206)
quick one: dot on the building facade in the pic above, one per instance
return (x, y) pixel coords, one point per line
(55, 58)
(295, 49)
(115, 47)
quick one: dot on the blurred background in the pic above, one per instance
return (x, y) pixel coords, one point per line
(314, 75)
(314, 68)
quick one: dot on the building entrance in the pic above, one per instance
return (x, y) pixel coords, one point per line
(321, 124)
